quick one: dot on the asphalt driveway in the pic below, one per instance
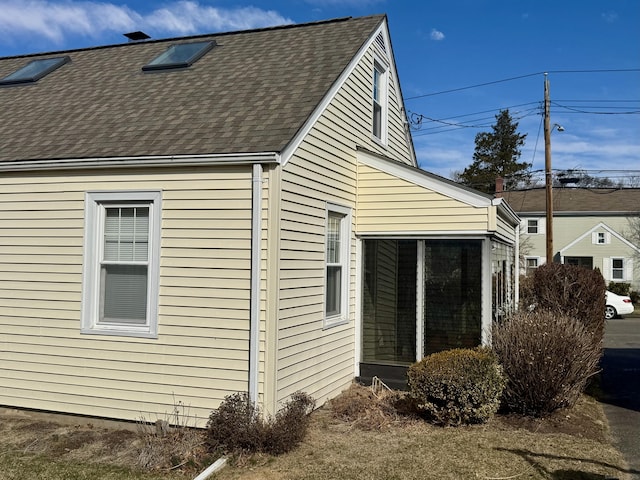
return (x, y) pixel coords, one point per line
(621, 386)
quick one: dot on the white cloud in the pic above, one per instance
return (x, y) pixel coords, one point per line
(55, 20)
(340, 3)
(436, 35)
(610, 17)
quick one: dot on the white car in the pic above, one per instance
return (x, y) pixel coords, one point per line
(617, 305)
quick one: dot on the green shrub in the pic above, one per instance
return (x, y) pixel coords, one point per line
(635, 296)
(547, 360)
(573, 291)
(619, 288)
(459, 386)
(237, 425)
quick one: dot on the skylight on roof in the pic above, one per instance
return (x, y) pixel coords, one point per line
(179, 56)
(34, 70)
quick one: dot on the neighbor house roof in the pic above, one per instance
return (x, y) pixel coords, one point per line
(568, 200)
(251, 93)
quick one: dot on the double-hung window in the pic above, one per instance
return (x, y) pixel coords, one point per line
(532, 226)
(121, 261)
(617, 269)
(338, 236)
(380, 81)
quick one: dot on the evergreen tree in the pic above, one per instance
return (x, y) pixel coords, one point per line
(496, 155)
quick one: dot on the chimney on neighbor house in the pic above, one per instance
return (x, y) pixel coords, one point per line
(499, 187)
(136, 36)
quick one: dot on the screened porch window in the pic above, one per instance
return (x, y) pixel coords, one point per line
(120, 286)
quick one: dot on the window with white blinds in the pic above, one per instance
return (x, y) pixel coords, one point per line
(121, 263)
(124, 266)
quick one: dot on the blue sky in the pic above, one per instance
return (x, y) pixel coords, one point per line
(590, 48)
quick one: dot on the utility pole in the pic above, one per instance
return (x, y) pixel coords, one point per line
(547, 170)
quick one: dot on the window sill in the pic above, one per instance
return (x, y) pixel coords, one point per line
(380, 141)
(336, 321)
(120, 332)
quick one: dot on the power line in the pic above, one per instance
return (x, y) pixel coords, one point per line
(417, 119)
(473, 86)
(617, 70)
(578, 110)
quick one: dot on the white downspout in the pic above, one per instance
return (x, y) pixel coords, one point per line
(256, 259)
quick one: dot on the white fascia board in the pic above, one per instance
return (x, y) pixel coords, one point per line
(507, 211)
(292, 146)
(440, 234)
(591, 230)
(424, 179)
(142, 161)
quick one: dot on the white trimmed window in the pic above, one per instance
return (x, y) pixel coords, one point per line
(380, 101)
(121, 263)
(532, 226)
(531, 263)
(617, 269)
(336, 300)
(601, 238)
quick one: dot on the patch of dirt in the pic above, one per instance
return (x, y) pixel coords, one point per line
(84, 442)
(585, 420)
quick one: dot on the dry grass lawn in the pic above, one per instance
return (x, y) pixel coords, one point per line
(571, 445)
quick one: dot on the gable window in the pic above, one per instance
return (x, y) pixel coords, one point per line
(121, 262)
(617, 268)
(179, 56)
(380, 81)
(601, 238)
(338, 234)
(34, 70)
(532, 226)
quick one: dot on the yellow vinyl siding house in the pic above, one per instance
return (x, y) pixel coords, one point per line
(234, 223)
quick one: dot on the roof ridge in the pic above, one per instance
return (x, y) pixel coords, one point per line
(191, 37)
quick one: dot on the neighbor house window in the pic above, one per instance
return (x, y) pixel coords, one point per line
(601, 238)
(121, 262)
(617, 269)
(380, 101)
(532, 226)
(531, 264)
(337, 265)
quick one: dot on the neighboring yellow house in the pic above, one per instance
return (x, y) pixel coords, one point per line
(184, 219)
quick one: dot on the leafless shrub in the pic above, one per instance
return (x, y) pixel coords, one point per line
(171, 442)
(573, 291)
(237, 425)
(547, 359)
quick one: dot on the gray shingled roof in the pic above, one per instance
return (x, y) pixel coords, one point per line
(582, 200)
(251, 93)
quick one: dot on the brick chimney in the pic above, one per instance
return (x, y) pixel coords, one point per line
(499, 187)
